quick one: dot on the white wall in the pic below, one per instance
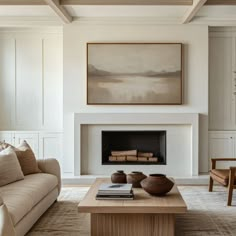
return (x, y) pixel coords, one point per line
(31, 79)
(195, 40)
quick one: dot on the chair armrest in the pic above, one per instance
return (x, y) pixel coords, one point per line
(223, 159)
(51, 166)
(214, 160)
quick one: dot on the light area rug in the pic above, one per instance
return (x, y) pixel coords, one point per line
(207, 214)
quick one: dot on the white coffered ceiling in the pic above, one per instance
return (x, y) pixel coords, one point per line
(16, 11)
(127, 11)
(169, 13)
(217, 11)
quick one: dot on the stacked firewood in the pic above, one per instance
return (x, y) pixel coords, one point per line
(132, 155)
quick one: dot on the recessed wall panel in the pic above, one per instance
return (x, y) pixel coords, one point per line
(28, 93)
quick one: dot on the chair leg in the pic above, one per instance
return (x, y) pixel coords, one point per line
(230, 195)
(210, 184)
(230, 187)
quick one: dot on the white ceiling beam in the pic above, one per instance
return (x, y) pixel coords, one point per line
(221, 2)
(100, 2)
(127, 2)
(22, 2)
(59, 10)
(28, 21)
(117, 2)
(192, 11)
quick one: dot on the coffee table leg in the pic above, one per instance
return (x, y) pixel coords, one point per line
(132, 224)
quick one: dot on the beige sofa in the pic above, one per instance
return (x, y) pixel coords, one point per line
(24, 201)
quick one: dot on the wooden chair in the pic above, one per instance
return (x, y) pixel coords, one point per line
(225, 177)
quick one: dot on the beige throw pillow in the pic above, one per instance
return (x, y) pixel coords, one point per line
(10, 170)
(27, 159)
(4, 145)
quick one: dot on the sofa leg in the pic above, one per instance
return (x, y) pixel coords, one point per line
(210, 184)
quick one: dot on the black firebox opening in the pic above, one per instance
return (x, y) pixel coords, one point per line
(143, 141)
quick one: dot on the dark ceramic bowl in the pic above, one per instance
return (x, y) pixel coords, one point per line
(157, 184)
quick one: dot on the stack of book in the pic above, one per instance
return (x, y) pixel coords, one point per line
(115, 192)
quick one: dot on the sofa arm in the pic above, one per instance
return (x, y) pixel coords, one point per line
(51, 166)
(6, 225)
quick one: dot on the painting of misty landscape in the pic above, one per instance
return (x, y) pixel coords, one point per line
(134, 73)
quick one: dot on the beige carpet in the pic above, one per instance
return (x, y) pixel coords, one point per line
(208, 214)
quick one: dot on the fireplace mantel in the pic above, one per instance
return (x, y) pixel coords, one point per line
(191, 119)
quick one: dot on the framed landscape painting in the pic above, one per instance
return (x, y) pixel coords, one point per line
(134, 73)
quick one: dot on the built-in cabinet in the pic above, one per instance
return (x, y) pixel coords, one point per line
(31, 79)
(222, 93)
(44, 144)
(222, 144)
(222, 80)
(31, 89)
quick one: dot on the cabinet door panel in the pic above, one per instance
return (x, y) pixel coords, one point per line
(7, 80)
(221, 146)
(51, 146)
(31, 80)
(221, 111)
(53, 89)
(28, 83)
(234, 80)
(7, 137)
(31, 138)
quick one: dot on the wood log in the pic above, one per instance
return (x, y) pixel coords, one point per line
(143, 159)
(131, 158)
(121, 158)
(124, 153)
(112, 158)
(153, 159)
(145, 154)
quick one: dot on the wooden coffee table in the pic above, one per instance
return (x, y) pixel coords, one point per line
(146, 215)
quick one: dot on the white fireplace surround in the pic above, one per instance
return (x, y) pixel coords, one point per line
(138, 119)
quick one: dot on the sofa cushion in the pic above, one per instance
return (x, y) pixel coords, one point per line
(27, 159)
(10, 170)
(221, 176)
(20, 197)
